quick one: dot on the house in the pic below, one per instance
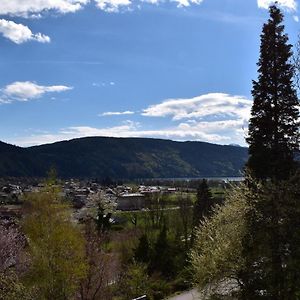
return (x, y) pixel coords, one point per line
(131, 201)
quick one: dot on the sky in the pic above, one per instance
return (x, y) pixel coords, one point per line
(171, 69)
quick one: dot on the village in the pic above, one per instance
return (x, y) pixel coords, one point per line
(82, 195)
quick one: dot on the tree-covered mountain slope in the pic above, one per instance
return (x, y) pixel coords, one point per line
(123, 158)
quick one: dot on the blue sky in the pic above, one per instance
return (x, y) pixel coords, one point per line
(179, 70)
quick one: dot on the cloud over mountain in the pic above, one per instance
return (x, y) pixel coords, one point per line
(208, 105)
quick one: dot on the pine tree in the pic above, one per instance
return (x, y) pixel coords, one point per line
(203, 204)
(142, 252)
(274, 124)
(273, 139)
(162, 260)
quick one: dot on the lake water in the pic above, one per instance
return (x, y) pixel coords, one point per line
(225, 178)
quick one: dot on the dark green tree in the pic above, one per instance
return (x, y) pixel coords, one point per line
(142, 252)
(269, 271)
(203, 204)
(102, 219)
(162, 260)
(274, 123)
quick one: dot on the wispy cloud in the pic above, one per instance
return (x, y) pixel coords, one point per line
(27, 90)
(221, 132)
(19, 33)
(37, 8)
(287, 4)
(26, 8)
(116, 113)
(112, 5)
(185, 3)
(128, 129)
(215, 117)
(103, 84)
(209, 105)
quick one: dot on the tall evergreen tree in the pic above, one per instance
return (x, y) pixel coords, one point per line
(203, 203)
(273, 139)
(274, 124)
(202, 206)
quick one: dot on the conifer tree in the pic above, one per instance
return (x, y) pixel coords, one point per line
(273, 140)
(203, 204)
(274, 123)
(142, 252)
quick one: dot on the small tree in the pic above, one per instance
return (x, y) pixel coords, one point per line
(142, 252)
(161, 260)
(217, 257)
(102, 265)
(202, 206)
(55, 244)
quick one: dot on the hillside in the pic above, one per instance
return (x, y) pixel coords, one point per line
(123, 158)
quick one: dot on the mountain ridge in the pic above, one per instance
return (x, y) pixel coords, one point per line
(99, 157)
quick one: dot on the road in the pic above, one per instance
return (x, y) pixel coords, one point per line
(190, 295)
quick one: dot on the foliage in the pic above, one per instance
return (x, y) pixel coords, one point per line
(12, 263)
(12, 243)
(217, 253)
(203, 204)
(12, 289)
(134, 283)
(102, 265)
(55, 244)
(142, 252)
(274, 123)
(271, 245)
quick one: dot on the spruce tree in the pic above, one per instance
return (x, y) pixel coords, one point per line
(142, 252)
(202, 206)
(203, 203)
(274, 123)
(268, 247)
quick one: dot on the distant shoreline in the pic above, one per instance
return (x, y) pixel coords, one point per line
(212, 178)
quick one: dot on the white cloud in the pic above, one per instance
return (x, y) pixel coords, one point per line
(183, 3)
(27, 8)
(115, 5)
(296, 18)
(19, 33)
(210, 105)
(103, 84)
(222, 132)
(216, 117)
(287, 4)
(112, 5)
(116, 113)
(36, 8)
(26, 90)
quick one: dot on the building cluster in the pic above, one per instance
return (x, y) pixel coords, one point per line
(81, 194)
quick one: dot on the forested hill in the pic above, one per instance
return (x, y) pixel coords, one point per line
(123, 158)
